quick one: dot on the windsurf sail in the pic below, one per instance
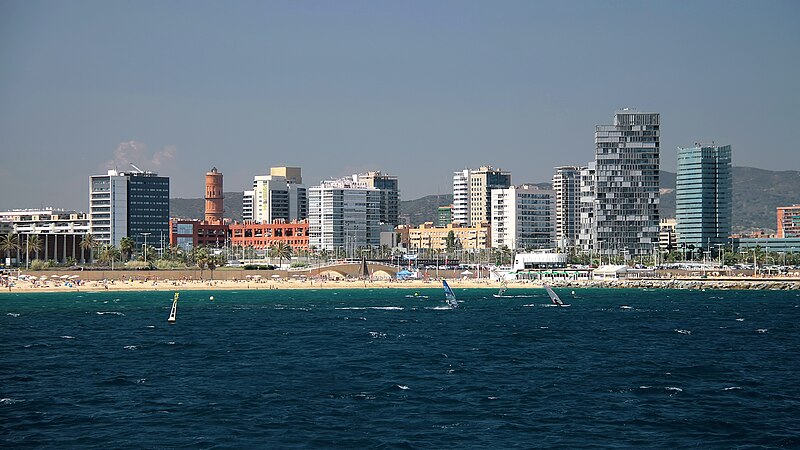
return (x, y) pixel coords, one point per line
(553, 296)
(174, 309)
(449, 295)
(502, 290)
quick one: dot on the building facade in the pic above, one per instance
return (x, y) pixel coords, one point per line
(523, 217)
(567, 184)
(189, 234)
(343, 215)
(262, 236)
(134, 204)
(276, 198)
(472, 193)
(586, 207)
(626, 184)
(389, 192)
(59, 232)
(214, 197)
(703, 196)
(789, 221)
(427, 236)
(444, 215)
(667, 240)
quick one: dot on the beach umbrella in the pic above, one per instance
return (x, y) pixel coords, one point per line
(64, 277)
(466, 272)
(276, 276)
(256, 276)
(74, 276)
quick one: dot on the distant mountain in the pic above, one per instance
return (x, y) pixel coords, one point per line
(756, 194)
(194, 208)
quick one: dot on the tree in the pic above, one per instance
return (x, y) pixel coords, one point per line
(126, 246)
(200, 257)
(88, 243)
(33, 244)
(108, 254)
(450, 241)
(9, 243)
(282, 250)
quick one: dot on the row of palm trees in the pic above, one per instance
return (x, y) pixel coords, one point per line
(11, 243)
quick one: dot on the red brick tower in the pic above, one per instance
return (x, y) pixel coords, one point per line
(214, 197)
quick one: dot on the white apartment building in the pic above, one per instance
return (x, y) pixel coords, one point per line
(343, 215)
(108, 207)
(586, 208)
(566, 184)
(472, 194)
(60, 232)
(523, 217)
(275, 198)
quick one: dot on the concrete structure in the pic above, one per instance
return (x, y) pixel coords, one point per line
(444, 215)
(586, 207)
(472, 193)
(214, 197)
(275, 197)
(626, 184)
(566, 184)
(188, 234)
(132, 204)
(703, 197)
(262, 236)
(60, 233)
(389, 195)
(789, 221)
(426, 236)
(667, 240)
(523, 217)
(779, 245)
(343, 215)
(539, 260)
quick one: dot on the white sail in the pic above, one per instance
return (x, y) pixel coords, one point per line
(174, 311)
(553, 296)
(449, 295)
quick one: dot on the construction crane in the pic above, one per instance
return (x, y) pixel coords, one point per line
(140, 170)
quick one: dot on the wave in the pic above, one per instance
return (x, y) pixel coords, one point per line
(382, 308)
(13, 314)
(678, 330)
(130, 347)
(111, 313)
(67, 337)
(761, 330)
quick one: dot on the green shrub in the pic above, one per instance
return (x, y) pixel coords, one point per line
(299, 264)
(38, 264)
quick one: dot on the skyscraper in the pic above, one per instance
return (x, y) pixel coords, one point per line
(566, 184)
(276, 197)
(389, 194)
(626, 184)
(343, 215)
(472, 194)
(703, 196)
(523, 217)
(134, 204)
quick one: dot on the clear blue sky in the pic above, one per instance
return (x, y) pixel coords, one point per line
(415, 89)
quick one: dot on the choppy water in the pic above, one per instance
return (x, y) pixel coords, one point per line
(378, 369)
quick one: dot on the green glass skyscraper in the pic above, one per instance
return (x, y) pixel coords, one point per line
(703, 196)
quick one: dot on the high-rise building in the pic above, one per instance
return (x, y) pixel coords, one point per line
(703, 199)
(626, 184)
(444, 215)
(566, 184)
(129, 204)
(343, 215)
(214, 197)
(389, 193)
(523, 217)
(276, 198)
(586, 206)
(789, 221)
(472, 193)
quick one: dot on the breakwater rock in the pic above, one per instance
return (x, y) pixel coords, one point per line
(673, 283)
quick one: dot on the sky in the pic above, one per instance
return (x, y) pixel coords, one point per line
(416, 89)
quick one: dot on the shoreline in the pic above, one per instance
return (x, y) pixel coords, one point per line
(161, 285)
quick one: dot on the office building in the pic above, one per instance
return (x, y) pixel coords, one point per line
(626, 184)
(667, 240)
(129, 204)
(343, 216)
(263, 236)
(389, 195)
(276, 198)
(566, 184)
(523, 217)
(472, 193)
(789, 221)
(188, 234)
(703, 196)
(444, 215)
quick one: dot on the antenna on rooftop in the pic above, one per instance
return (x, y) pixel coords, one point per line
(140, 170)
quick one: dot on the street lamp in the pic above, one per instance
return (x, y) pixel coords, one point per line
(145, 244)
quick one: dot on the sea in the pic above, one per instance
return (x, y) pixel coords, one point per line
(395, 368)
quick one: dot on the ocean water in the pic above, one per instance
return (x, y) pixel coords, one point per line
(392, 369)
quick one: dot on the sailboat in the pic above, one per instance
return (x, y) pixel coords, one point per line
(449, 295)
(174, 309)
(553, 296)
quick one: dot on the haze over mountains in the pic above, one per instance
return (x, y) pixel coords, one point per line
(756, 194)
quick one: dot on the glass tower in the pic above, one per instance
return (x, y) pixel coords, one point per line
(703, 196)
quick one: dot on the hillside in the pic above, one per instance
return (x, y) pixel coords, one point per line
(756, 194)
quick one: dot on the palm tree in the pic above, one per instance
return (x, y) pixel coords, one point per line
(108, 253)
(88, 242)
(282, 250)
(201, 258)
(33, 244)
(9, 243)
(126, 246)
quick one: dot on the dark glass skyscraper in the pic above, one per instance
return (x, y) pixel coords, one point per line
(703, 196)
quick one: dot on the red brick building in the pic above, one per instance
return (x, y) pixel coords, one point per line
(193, 233)
(264, 235)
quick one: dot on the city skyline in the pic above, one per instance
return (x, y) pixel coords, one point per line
(416, 90)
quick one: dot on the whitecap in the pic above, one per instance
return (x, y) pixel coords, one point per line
(761, 330)
(403, 387)
(625, 307)
(492, 398)
(376, 334)
(732, 388)
(130, 347)
(682, 331)
(740, 320)
(544, 328)
(13, 314)
(530, 305)
(141, 380)
(171, 343)
(113, 313)
(672, 388)
(8, 401)
(67, 337)
(387, 308)
(351, 307)
(150, 326)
